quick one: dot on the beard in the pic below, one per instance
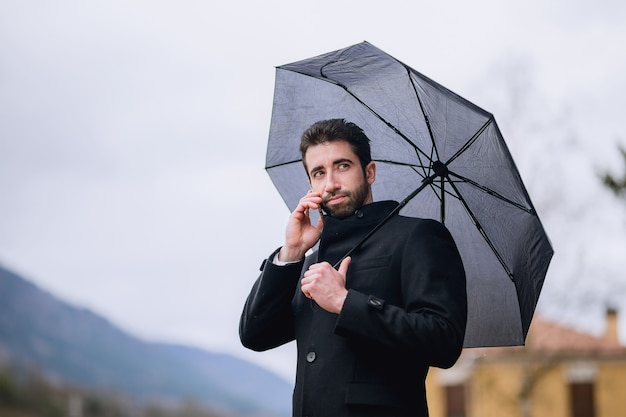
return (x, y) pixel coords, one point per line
(354, 200)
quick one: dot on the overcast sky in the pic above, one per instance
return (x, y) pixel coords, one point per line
(133, 133)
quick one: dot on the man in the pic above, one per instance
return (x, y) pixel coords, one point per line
(367, 332)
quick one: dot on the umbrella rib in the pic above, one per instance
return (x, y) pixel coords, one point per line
(494, 193)
(417, 168)
(384, 161)
(442, 212)
(283, 164)
(471, 140)
(405, 164)
(426, 182)
(435, 188)
(382, 119)
(426, 118)
(483, 233)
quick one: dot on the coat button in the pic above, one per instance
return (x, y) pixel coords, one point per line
(375, 302)
(310, 357)
(358, 214)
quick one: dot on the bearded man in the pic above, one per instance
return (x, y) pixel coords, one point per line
(368, 331)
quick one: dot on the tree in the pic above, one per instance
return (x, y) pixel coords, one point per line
(617, 185)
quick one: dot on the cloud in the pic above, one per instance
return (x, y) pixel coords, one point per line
(132, 138)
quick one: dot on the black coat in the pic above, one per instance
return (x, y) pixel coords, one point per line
(406, 310)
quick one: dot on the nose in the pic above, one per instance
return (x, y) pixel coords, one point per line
(331, 185)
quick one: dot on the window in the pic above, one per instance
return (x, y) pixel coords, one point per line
(582, 399)
(455, 401)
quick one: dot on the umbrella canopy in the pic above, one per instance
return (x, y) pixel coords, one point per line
(439, 155)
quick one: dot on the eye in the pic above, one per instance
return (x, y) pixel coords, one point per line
(317, 174)
(344, 166)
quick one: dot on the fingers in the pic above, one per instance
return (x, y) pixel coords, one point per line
(343, 267)
(320, 268)
(311, 200)
(327, 286)
(317, 272)
(300, 233)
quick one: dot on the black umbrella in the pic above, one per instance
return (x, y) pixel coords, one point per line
(441, 157)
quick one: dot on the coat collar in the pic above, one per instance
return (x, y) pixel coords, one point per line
(367, 214)
(340, 235)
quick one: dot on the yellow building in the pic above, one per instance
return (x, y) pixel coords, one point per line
(560, 372)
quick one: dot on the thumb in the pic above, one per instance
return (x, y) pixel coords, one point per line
(343, 267)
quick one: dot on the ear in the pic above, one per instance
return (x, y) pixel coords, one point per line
(370, 172)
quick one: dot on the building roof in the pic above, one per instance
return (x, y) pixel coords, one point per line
(549, 337)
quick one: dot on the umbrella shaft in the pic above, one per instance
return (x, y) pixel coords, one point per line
(425, 182)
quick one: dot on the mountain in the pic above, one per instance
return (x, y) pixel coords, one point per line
(73, 345)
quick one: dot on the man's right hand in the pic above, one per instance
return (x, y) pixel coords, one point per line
(301, 235)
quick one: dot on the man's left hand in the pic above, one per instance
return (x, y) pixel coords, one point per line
(326, 286)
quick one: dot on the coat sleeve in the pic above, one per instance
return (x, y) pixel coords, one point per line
(267, 319)
(430, 322)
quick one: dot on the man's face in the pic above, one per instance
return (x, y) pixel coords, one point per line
(335, 172)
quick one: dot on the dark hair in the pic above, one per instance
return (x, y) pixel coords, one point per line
(337, 130)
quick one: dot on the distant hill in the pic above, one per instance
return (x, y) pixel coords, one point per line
(74, 345)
